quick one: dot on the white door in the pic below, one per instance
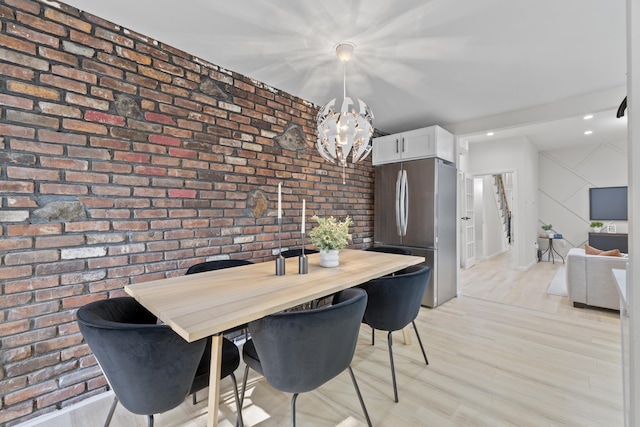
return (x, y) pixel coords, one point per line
(468, 227)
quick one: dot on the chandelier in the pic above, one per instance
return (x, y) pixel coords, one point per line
(347, 130)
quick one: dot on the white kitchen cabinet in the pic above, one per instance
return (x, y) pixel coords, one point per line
(432, 141)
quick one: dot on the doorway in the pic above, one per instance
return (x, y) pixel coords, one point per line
(493, 214)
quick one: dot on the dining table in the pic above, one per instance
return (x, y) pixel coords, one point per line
(207, 304)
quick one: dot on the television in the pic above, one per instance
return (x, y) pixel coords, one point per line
(608, 203)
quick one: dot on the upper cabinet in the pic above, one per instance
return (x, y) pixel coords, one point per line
(432, 141)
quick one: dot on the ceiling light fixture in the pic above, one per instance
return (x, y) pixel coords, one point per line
(588, 132)
(588, 117)
(489, 133)
(347, 130)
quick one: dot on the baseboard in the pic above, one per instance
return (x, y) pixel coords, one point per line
(54, 414)
(528, 266)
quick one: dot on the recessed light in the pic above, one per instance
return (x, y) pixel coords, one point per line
(588, 132)
(588, 117)
(489, 133)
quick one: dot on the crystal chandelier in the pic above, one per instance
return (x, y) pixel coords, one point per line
(347, 130)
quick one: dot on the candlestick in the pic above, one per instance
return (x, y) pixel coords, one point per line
(304, 202)
(303, 261)
(280, 261)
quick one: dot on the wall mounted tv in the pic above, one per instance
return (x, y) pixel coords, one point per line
(608, 203)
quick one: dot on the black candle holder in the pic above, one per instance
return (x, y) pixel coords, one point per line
(303, 261)
(280, 261)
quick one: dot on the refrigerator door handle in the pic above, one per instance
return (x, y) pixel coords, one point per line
(398, 217)
(405, 202)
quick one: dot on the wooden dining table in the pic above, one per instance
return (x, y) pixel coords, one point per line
(207, 304)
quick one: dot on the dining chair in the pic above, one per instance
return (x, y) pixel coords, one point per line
(389, 250)
(290, 253)
(217, 265)
(394, 302)
(299, 351)
(148, 366)
(230, 353)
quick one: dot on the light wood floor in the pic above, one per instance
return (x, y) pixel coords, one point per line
(504, 353)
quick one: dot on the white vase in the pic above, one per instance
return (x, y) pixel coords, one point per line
(329, 258)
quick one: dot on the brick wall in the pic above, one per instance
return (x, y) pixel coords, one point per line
(124, 160)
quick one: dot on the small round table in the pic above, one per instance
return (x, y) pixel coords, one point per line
(552, 250)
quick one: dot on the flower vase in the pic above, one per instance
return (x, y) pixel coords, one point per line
(329, 258)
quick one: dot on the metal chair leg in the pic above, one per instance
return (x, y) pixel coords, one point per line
(149, 420)
(293, 409)
(393, 370)
(239, 421)
(355, 385)
(244, 384)
(111, 411)
(193, 398)
(373, 336)
(420, 342)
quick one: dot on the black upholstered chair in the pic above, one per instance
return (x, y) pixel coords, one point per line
(149, 367)
(389, 250)
(290, 253)
(216, 265)
(394, 302)
(230, 353)
(299, 351)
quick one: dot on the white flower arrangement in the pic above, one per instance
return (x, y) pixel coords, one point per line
(330, 233)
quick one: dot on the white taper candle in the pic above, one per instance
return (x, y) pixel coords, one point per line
(279, 200)
(304, 202)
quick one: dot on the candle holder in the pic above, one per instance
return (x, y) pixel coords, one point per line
(303, 261)
(280, 261)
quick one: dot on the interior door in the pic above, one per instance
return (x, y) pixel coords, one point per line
(385, 229)
(469, 224)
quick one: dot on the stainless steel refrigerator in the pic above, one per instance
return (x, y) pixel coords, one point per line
(415, 207)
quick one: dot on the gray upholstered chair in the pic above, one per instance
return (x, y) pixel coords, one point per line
(290, 253)
(230, 353)
(149, 367)
(389, 250)
(216, 265)
(394, 302)
(299, 351)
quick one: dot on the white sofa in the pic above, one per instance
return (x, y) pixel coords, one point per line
(590, 281)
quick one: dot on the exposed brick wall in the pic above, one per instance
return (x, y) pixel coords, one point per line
(124, 160)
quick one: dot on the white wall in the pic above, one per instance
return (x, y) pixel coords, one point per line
(478, 216)
(563, 189)
(515, 155)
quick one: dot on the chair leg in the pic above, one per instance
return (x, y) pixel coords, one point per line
(239, 421)
(293, 409)
(111, 411)
(193, 398)
(149, 420)
(244, 384)
(420, 342)
(373, 336)
(393, 370)
(355, 385)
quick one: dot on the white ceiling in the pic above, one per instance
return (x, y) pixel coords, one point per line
(468, 65)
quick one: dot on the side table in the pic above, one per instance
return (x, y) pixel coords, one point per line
(552, 250)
